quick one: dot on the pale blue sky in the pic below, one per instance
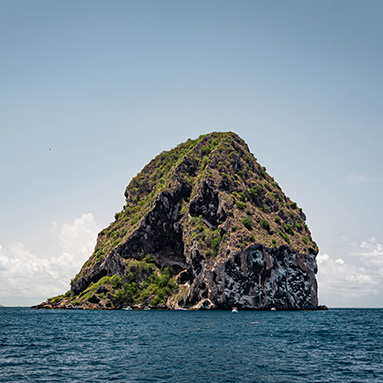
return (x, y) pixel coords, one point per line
(92, 90)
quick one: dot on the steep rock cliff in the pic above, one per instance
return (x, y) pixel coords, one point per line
(204, 226)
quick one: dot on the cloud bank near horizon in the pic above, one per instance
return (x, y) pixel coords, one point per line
(352, 285)
(25, 278)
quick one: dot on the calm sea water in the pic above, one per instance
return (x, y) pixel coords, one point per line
(339, 345)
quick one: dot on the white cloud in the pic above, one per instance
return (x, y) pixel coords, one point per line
(79, 238)
(371, 253)
(343, 284)
(356, 179)
(23, 274)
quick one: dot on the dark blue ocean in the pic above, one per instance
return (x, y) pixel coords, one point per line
(339, 345)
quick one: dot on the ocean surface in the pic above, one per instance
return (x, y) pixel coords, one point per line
(339, 345)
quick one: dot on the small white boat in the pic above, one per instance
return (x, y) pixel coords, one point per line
(181, 309)
(127, 308)
(273, 309)
(146, 309)
(234, 310)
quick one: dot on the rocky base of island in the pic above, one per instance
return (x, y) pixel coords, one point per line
(68, 306)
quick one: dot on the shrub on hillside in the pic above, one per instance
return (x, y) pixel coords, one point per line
(265, 224)
(284, 236)
(289, 229)
(247, 222)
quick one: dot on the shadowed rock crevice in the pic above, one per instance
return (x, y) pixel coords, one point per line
(208, 204)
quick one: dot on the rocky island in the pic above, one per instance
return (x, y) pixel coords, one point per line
(204, 226)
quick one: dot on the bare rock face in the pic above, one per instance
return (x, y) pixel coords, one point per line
(264, 278)
(160, 232)
(256, 278)
(110, 265)
(204, 227)
(208, 205)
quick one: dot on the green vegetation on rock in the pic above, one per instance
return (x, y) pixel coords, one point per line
(247, 223)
